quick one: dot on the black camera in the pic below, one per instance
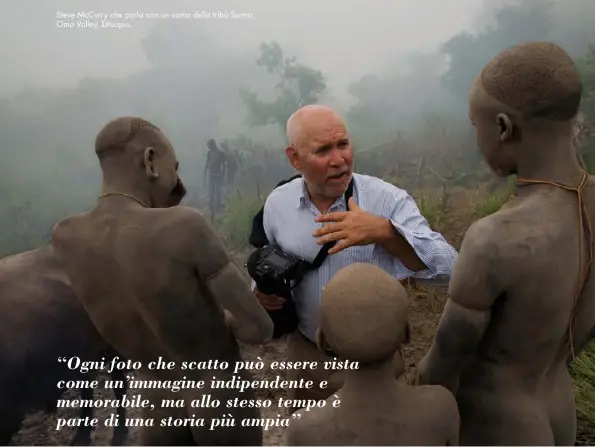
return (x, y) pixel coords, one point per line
(275, 272)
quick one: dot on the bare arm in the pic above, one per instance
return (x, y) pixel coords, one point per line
(473, 289)
(248, 320)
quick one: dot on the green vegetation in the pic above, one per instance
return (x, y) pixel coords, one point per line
(583, 373)
(298, 85)
(237, 220)
(494, 201)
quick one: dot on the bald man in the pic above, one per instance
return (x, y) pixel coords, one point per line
(516, 312)
(381, 225)
(158, 284)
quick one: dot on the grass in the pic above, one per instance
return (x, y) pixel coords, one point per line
(430, 208)
(236, 223)
(583, 374)
(434, 207)
(495, 200)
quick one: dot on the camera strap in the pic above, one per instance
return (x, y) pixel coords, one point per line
(259, 239)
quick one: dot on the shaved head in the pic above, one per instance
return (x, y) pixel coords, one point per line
(363, 314)
(536, 79)
(525, 98)
(319, 147)
(115, 136)
(137, 158)
(306, 118)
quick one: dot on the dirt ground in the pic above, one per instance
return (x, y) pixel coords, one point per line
(425, 309)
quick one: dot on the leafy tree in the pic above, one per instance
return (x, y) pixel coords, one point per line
(298, 85)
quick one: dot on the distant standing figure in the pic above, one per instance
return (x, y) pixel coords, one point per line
(232, 162)
(215, 167)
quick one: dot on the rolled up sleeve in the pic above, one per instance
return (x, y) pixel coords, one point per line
(430, 246)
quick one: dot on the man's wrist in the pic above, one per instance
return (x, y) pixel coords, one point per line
(386, 232)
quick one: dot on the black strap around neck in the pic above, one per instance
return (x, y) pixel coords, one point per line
(259, 239)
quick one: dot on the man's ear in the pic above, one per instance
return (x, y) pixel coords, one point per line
(506, 127)
(149, 161)
(293, 158)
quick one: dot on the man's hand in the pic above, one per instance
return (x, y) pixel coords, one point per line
(353, 227)
(269, 302)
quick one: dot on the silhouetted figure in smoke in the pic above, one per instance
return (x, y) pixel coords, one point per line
(215, 167)
(232, 163)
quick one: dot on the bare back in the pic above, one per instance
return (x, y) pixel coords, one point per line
(518, 376)
(538, 247)
(134, 273)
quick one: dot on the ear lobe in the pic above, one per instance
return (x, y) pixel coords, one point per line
(292, 156)
(506, 126)
(149, 161)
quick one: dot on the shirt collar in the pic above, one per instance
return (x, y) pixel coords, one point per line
(304, 197)
(302, 193)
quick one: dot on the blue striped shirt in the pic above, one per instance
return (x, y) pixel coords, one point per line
(289, 223)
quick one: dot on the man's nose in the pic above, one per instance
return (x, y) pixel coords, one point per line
(337, 158)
